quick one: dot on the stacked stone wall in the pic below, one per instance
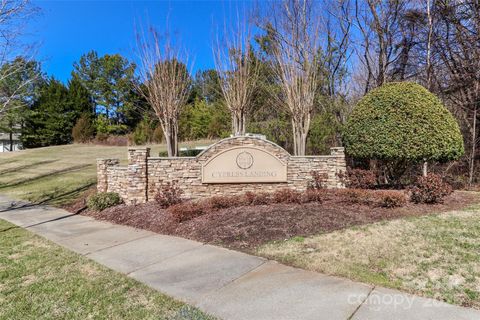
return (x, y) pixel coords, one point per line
(145, 176)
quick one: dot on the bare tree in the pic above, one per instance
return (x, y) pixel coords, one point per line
(458, 46)
(13, 16)
(296, 52)
(336, 53)
(379, 23)
(429, 66)
(165, 82)
(238, 72)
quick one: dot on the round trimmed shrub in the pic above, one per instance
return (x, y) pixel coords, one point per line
(103, 200)
(402, 121)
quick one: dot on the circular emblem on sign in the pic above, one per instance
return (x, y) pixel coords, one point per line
(244, 160)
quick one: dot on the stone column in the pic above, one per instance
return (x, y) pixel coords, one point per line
(137, 175)
(102, 176)
(339, 165)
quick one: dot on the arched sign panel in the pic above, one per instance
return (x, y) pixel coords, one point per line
(244, 165)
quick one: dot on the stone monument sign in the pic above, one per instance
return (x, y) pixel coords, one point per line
(229, 167)
(244, 165)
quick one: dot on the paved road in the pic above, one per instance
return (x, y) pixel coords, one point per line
(224, 283)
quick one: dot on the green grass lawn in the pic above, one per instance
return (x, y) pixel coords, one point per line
(436, 256)
(41, 280)
(57, 175)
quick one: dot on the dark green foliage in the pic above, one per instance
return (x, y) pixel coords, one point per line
(206, 85)
(109, 80)
(146, 131)
(84, 130)
(106, 127)
(205, 115)
(103, 200)
(200, 120)
(220, 125)
(402, 122)
(195, 120)
(51, 118)
(20, 81)
(182, 153)
(80, 99)
(322, 134)
(279, 130)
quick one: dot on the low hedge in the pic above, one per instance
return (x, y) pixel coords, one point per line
(183, 153)
(103, 200)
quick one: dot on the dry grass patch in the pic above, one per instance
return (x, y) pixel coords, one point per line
(437, 256)
(57, 175)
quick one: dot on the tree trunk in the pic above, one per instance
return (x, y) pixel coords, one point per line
(238, 123)
(171, 137)
(11, 140)
(243, 123)
(472, 155)
(429, 45)
(300, 133)
(425, 168)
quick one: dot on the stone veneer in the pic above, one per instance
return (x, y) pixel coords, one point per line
(144, 176)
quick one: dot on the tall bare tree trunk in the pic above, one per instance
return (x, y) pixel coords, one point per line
(238, 123)
(11, 140)
(237, 72)
(429, 45)
(474, 142)
(296, 62)
(166, 83)
(171, 134)
(429, 65)
(300, 134)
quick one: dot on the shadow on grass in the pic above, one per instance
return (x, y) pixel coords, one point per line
(9, 161)
(65, 196)
(49, 198)
(9, 228)
(48, 174)
(27, 166)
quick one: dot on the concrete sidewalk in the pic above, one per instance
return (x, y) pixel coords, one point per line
(224, 283)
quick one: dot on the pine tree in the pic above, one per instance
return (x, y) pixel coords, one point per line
(51, 118)
(80, 99)
(109, 80)
(19, 88)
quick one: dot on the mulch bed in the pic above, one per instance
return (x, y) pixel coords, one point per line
(80, 203)
(245, 228)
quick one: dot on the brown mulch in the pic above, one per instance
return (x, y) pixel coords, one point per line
(80, 203)
(245, 228)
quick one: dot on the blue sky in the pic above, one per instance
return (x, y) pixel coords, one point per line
(64, 30)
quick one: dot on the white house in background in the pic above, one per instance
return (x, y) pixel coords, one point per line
(9, 143)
